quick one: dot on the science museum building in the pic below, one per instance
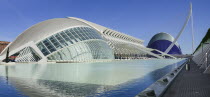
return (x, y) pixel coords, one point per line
(74, 40)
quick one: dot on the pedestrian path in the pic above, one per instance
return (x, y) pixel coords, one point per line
(192, 83)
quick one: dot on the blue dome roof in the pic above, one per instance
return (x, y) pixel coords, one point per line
(161, 41)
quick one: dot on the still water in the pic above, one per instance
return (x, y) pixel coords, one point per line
(118, 78)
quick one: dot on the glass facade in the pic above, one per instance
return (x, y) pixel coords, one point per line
(70, 44)
(84, 51)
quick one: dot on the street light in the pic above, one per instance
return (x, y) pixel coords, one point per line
(207, 53)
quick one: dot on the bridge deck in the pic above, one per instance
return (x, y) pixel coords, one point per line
(191, 83)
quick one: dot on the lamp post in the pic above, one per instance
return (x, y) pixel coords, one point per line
(206, 60)
(207, 71)
(207, 54)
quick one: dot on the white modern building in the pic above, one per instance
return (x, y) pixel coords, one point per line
(74, 40)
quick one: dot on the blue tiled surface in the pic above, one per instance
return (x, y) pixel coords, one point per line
(162, 45)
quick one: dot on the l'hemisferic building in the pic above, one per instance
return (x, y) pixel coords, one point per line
(74, 40)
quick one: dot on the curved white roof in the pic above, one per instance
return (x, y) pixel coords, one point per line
(102, 29)
(43, 29)
(49, 27)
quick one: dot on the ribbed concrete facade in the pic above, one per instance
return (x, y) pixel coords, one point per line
(201, 55)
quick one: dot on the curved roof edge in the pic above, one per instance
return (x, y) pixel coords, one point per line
(205, 39)
(102, 28)
(44, 28)
(37, 31)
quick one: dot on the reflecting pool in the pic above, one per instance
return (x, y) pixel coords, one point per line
(112, 79)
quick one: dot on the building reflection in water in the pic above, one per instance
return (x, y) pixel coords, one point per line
(85, 79)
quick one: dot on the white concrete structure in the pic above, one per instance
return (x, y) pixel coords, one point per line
(181, 31)
(74, 39)
(201, 56)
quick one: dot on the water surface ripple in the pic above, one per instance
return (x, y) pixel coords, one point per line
(118, 78)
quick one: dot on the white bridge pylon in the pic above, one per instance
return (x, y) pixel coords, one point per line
(172, 44)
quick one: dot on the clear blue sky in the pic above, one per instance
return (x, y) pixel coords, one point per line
(139, 18)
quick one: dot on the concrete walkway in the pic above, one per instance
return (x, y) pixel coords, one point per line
(191, 83)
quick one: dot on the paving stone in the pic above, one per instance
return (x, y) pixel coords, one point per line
(191, 83)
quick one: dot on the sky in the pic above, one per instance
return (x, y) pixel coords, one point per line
(139, 18)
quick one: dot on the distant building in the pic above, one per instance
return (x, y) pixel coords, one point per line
(74, 40)
(3, 44)
(162, 41)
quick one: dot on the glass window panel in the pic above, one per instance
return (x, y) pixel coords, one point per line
(86, 31)
(70, 34)
(47, 43)
(89, 29)
(55, 42)
(90, 36)
(68, 37)
(73, 32)
(52, 57)
(83, 38)
(61, 40)
(77, 36)
(68, 40)
(62, 55)
(43, 49)
(94, 36)
(80, 31)
(56, 56)
(80, 28)
(86, 37)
